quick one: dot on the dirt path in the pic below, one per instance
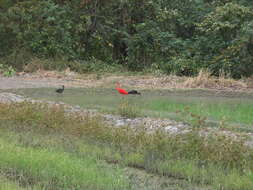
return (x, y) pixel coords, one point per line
(71, 79)
(38, 82)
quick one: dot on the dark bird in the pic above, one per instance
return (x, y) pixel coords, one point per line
(134, 92)
(60, 90)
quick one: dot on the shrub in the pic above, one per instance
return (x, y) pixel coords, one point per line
(181, 37)
(128, 109)
(7, 71)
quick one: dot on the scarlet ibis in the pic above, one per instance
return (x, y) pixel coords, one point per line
(124, 92)
(60, 90)
(120, 90)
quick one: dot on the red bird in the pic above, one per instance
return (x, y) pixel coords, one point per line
(120, 90)
(124, 92)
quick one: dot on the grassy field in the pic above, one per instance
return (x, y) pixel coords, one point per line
(231, 108)
(41, 148)
(59, 170)
(6, 184)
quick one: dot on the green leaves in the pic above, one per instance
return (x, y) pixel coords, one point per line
(43, 27)
(229, 24)
(7, 71)
(228, 17)
(136, 34)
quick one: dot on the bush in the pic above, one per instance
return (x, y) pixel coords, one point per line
(128, 109)
(229, 31)
(7, 71)
(181, 66)
(181, 37)
(17, 59)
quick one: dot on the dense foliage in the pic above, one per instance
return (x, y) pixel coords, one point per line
(175, 36)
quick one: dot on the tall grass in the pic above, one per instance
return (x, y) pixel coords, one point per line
(212, 159)
(58, 170)
(237, 112)
(6, 184)
(204, 79)
(128, 109)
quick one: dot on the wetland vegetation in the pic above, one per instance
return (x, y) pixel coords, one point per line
(52, 150)
(234, 108)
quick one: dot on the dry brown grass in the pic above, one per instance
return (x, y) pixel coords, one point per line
(35, 65)
(205, 80)
(249, 82)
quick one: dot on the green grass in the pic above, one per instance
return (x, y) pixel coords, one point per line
(58, 170)
(6, 184)
(128, 109)
(33, 136)
(188, 170)
(233, 111)
(165, 104)
(80, 148)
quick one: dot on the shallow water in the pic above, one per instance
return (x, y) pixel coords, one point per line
(231, 107)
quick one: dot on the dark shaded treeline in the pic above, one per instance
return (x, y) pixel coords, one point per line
(175, 36)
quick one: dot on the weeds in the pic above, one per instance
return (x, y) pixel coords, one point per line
(57, 170)
(128, 109)
(7, 71)
(211, 158)
(91, 66)
(6, 184)
(195, 120)
(204, 79)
